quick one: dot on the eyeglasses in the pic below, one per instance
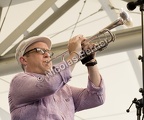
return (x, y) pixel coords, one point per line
(41, 51)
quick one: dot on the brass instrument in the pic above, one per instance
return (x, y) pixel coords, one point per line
(104, 36)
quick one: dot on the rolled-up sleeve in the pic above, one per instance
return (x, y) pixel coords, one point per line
(90, 97)
(98, 90)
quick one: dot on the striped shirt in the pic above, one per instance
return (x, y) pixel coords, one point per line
(40, 97)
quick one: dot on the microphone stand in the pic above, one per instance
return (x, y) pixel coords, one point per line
(139, 103)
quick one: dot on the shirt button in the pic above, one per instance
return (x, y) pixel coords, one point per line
(40, 79)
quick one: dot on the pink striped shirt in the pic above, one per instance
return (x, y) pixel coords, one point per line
(39, 97)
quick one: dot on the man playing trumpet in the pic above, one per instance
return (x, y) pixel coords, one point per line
(35, 96)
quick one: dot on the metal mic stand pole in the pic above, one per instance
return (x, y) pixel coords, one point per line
(139, 103)
(142, 57)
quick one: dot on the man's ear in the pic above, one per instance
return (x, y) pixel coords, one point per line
(23, 60)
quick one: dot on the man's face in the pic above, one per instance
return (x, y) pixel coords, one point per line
(35, 60)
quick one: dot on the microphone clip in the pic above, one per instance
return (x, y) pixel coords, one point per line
(138, 103)
(132, 5)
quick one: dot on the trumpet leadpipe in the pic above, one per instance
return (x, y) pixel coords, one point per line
(104, 36)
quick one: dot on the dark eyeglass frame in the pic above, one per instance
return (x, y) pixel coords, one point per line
(41, 51)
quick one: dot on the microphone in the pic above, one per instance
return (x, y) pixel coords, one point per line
(126, 18)
(132, 5)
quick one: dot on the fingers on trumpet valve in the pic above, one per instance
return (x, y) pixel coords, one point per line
(88, 45)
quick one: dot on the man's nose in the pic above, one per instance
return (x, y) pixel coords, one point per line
(46, 55)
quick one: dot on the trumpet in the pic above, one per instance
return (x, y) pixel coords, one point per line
(104, 36)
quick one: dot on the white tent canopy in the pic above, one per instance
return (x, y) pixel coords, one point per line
(61, 19)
